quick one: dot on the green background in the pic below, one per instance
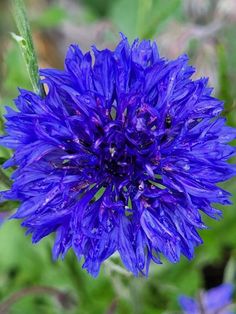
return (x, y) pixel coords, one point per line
(199, 29)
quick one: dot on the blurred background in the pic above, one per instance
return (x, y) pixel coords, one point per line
(30, 282)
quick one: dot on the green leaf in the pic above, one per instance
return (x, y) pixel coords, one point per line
(25, 42)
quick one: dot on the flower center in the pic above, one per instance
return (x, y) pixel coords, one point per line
(117, 162)
(123, 153)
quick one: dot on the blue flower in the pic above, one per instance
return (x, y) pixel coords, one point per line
(122, 155)
(216, 300)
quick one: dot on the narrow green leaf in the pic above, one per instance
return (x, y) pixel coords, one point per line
(25, 42)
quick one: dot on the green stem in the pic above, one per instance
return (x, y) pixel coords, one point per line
(26, 44)
(64, 298)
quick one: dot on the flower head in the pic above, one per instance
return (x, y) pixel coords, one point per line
(216, 300)
(121, 155)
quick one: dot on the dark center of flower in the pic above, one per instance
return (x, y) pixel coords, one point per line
(123, 152)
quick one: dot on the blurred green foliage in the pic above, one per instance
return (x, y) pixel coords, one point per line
(25, 265)
(52, 17)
